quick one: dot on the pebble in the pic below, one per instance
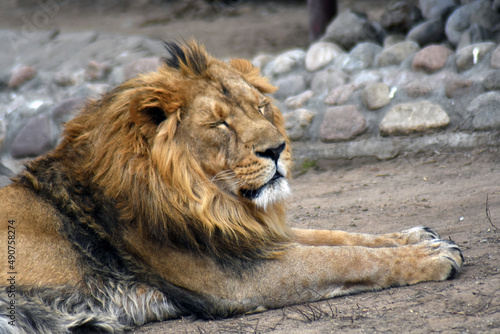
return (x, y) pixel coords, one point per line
(407, 118)
(20, 75)
(297, 122)
(472, 54)
(431, 58)
(342, 123)
(97, 71)
(485, 110)
(64, 79)
(321, 54)
(297, 101)
(415, 90)
(394, 55)
(375, 95)
(341, 94)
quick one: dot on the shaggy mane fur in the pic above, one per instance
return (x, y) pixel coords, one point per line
(122, 147)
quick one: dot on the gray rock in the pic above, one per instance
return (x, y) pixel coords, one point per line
(5, 175)
(66, 110)
(397, 53)
(117, 76)
(34, 139)
(285, 63)
(400, 16)
(495, 58)
(473, 35)
(140, 66)
(348, 29)
(262, 60)
(472, 54)
(326, 80)
(400, 78)
(362, 56)
(289, 86)
(321, 54)
(485, 110)
(431, 58)
(432, 9)
(375, 96)
(477, 12)
(459, 21)
(391, 40)
(407, 118)
(365, 77)
(297, 122)
(4, 181)
(340, 95)
(4, 171)
(295, 102)
(428, 32)
(492, 81)
(342, 123)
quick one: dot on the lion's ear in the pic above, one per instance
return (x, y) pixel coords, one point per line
(252, 75)
(148, 109)
(149, 115)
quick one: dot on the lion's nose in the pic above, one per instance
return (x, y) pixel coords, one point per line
(272, 153)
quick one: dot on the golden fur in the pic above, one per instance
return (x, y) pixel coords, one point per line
(166, 198)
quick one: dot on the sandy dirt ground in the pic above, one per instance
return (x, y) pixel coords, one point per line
(448, 192)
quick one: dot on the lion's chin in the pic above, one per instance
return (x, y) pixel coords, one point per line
(272, 192)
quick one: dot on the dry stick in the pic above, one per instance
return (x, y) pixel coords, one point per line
(488, 215)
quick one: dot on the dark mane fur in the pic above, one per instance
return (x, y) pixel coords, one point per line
(183, 56)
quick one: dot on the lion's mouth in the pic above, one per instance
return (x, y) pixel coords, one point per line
(254, 193)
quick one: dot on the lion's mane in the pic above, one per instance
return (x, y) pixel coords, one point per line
(122, 168)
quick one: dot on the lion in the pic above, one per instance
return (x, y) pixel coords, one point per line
(167, 198)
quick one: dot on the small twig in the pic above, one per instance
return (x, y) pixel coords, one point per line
(488, 214)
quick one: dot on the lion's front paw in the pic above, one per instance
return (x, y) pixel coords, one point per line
(441, 260)
(418, 234)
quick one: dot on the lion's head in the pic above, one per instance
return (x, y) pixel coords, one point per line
(194, 154)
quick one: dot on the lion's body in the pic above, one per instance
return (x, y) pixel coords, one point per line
(166, 198)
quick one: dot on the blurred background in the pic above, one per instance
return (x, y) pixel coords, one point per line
(228, 28)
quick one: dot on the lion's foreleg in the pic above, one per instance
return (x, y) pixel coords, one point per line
(341, 238)
(307, 273)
